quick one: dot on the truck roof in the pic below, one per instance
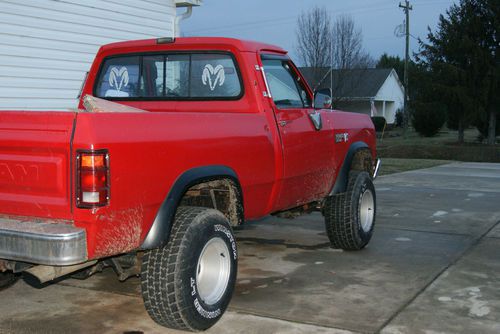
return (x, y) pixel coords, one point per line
(241, 45)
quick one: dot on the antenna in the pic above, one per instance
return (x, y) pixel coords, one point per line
(399, 31)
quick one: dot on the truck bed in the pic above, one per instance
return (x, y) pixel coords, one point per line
(35, 163)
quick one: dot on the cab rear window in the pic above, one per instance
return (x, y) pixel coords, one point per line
(199, 76)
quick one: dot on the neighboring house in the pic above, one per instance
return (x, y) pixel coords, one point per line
(47, 46)
(361, 90)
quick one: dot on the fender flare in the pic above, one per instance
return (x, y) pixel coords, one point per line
(159, 233)
(340, 185)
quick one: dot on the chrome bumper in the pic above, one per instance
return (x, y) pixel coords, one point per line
(376, 169)
(43, 242)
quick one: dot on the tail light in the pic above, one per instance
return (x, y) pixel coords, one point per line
(92, 178)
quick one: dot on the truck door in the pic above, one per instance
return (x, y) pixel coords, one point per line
(307, 148)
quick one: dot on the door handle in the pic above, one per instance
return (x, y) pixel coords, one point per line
(283, 123)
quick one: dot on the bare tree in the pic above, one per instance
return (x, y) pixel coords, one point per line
(314, 37)
(348, 52)
(324, 44)
(349, 58)
(319, 37)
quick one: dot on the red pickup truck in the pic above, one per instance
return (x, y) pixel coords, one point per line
(174, 143)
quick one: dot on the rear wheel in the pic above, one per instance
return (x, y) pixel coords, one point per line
(188, 283)
(350, 216)
(7, 279)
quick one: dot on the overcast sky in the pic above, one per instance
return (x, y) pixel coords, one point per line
(274, 21)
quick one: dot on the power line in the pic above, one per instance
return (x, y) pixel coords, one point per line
(374, 7)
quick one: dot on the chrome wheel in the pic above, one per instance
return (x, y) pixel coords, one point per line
(366, 210)
(213, 270)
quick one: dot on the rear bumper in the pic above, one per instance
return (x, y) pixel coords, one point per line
(42, 242)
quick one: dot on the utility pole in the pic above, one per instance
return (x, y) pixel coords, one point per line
(406, 7)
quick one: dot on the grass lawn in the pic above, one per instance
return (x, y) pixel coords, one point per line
(444, 146)
(391, 165)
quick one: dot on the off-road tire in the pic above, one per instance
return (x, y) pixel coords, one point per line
(169, 275)
(7, 279)
(342, 214)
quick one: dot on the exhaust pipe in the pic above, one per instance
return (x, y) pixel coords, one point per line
(48, 273)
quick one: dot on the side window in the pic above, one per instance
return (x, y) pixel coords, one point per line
(286, 89)
(119, 78)
(197, 76)
(213, 75)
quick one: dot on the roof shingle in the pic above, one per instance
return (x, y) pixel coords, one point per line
(357, 83)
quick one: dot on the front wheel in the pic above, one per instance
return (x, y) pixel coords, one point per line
(188, 283)
(350, 216)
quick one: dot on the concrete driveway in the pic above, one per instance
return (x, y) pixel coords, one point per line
(433, 266)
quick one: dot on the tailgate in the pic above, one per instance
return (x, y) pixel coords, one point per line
(35, 163)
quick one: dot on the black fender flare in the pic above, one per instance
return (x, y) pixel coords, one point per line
(159, 233)
(340, 185)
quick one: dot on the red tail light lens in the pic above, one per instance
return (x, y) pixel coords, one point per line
(92, 178)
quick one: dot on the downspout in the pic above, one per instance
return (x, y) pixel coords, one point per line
(181, 17)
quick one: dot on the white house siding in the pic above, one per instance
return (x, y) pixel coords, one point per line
(47, 46)
(362, 107)
(393, 93)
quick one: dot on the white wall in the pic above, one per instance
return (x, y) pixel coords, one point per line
(46, 46)
(364, 107)
(391, 91)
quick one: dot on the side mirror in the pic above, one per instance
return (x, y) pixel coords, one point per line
(323, 99)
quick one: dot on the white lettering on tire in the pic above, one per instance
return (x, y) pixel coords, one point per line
(193, 287)
(223, 229)
(204, 313)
